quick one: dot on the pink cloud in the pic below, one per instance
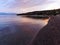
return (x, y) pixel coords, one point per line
(20, 6)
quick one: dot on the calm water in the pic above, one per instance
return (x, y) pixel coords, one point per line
(20, 27)
(19, 19)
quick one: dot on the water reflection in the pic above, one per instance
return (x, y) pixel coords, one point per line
(19, 19)
(20, 27)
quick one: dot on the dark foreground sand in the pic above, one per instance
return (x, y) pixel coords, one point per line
(15, 30)
(50, 34)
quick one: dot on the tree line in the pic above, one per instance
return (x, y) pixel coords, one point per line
(45, 12)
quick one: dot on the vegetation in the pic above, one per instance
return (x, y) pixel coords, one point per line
(41, 14)
(45, 12)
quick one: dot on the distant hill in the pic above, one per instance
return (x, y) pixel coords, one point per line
(41, 14)
(44, 12)
(3, 13)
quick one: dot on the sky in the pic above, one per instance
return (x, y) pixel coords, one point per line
(22, 6)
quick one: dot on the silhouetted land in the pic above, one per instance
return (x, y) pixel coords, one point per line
(41, 14)
(44, 12)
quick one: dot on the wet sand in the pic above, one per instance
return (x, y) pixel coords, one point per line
(50, 34)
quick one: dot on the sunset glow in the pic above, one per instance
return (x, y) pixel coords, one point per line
(22, 6)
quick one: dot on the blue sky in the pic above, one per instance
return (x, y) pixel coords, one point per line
(22, 6)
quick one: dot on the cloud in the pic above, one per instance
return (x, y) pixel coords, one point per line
(20, 6)
(50, 4)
